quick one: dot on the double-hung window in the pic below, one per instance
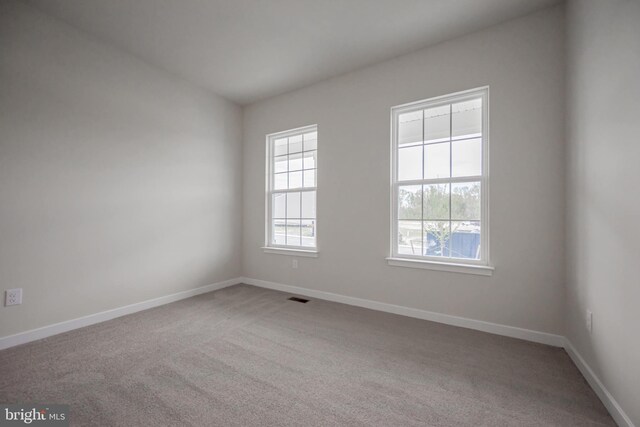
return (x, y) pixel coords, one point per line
(440, 180)
(292, 158)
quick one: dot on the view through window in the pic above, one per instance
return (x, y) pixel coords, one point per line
(292, 185)
(439, 178)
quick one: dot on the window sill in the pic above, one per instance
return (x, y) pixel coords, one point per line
(481, 270)
(291, 252)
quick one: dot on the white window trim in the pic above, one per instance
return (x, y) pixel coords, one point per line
(289, 251)
(480, 270)
(460, 265)
(305, 251)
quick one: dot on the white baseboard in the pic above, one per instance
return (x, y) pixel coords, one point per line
(510, 331)
(68, 325)
(608, 400)
(619, 416)
(494, 328)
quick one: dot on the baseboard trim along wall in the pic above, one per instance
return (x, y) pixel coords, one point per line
(510, 331)
(494, 328)
(608, 400)
(619, 416)
(68, 325)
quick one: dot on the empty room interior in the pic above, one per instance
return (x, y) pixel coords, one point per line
(320, 212)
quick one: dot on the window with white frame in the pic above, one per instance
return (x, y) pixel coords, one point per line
(292, 164)
(439, 179)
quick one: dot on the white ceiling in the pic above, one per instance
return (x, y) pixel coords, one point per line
(246, 50)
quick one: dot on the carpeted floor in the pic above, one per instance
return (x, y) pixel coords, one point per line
(245, 356)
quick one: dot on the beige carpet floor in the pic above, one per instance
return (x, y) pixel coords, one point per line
(245, 356)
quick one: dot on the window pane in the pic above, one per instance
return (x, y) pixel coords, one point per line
(278, 232)
(295, 162)
(467, 157)
(295, 179)
(295, 144)
(410, 202)
(465, 239)
(436, 160)
(280, 147)
(465, 201)
(310, 178)
(309, 204)
(280, 164)
(308, 229)
(437, 235)
(293, 233)
(467, 118)
(410, 128)
(309, 161)
(410, 237)
(280, 181)
(437, 123)
(278, 205)
(293, 205)
(310, 141)
(293, 166)
(410, 163)
(436, 202)
(439, 147)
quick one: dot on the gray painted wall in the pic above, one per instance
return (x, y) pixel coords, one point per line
(604, 209)
(523, 62)
(118, 182)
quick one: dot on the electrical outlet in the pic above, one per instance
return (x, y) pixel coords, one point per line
(589, 320)
(13, 297)
(294, 263)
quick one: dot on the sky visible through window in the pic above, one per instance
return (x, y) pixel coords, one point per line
(439, 181)
(293, 184)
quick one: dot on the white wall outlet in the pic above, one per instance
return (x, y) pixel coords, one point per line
(294, 263)
(589, 320)
(13, 297)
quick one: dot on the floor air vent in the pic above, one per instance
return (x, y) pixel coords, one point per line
(302, 300)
